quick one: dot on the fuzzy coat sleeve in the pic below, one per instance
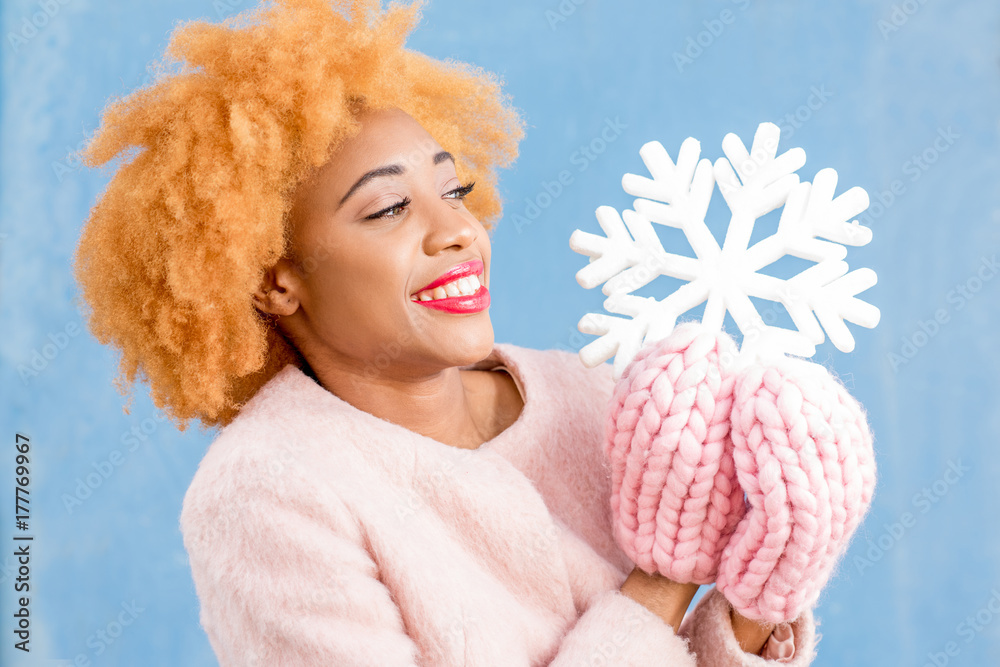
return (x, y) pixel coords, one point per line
(710, 631)
(617, 630)
(283, 583)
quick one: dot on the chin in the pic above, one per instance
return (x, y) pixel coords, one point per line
(474, 346)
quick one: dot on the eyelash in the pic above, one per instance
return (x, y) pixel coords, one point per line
(459, 193)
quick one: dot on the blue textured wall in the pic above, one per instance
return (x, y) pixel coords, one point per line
(864, 86)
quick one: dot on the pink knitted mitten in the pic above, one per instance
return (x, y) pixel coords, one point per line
(803, 454)
(675, 499)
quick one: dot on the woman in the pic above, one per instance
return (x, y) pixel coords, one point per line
(297, 256)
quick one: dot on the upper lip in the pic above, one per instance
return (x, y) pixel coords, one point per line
(470, 268)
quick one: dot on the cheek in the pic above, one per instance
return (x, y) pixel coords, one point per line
(363, 282)
(486, 251)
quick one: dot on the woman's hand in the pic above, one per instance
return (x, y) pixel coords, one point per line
(669, 600)
(751, 634)
(666, 598)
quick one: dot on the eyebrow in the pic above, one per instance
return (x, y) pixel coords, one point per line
(390, 170)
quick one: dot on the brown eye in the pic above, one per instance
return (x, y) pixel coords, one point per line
(390, 211)
(460, 192)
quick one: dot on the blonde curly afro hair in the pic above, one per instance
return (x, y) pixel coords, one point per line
(238, 115)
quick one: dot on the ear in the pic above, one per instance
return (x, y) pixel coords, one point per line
(278, 291)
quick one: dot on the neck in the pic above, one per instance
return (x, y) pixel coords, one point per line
(445, 405)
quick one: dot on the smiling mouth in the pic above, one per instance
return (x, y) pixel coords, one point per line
(459, 290)
(464, 286)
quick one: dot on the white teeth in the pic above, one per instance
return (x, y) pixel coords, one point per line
(464, 286)
(468, 285)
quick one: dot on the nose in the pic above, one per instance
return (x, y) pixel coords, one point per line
(449, 226)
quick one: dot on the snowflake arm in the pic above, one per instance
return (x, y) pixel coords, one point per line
(814, 225)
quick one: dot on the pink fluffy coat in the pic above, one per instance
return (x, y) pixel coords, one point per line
(319, 534)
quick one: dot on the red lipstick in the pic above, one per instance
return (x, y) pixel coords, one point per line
(472, 303)
(470, 268)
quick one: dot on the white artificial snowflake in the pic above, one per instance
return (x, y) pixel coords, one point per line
(753, 184)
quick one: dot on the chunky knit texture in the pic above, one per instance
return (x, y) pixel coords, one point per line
(803, 455)
(675, 498)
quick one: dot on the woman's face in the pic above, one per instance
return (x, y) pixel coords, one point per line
(381, 221)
